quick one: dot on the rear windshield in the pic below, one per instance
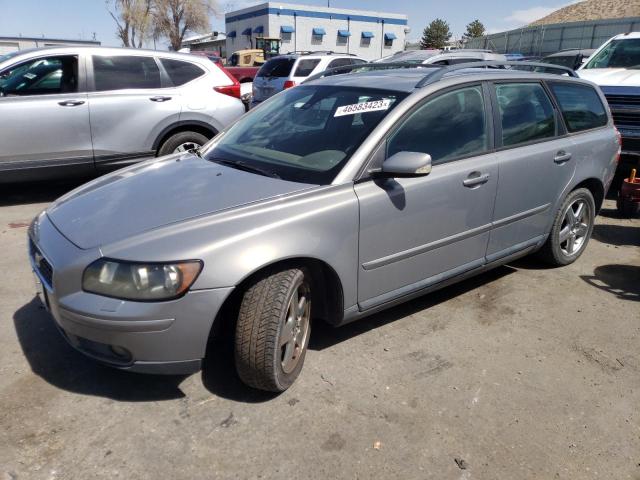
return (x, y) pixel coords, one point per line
(563, 61)
(277, 67)
(307, 133)
(305, 67)
(617, 54)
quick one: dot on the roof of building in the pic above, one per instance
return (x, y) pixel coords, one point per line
(44, 39)
(592, 10)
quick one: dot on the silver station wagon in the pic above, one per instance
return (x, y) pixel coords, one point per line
(331, 201)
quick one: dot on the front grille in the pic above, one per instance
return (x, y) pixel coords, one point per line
(44, 267)
(629, 119)
(624, 100)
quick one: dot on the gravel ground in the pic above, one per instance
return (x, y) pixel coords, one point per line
(523, 372)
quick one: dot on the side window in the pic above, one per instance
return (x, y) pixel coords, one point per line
(581, 106)
(456, 61)
(43, 76)
(339, 62)
(181, 72)
(305, 67)
(526, 113)
(357, 61)
(449, 126)
(124, 72)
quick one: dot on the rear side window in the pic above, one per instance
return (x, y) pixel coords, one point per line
(277, 67)
(526, 113)
(339, 62)
(124, 72)
(449, 126)
(181, 72)
(305, 67)
(581, 106)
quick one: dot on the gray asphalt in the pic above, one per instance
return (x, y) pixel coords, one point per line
(524, 372)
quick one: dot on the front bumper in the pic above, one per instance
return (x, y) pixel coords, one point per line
(149, 337)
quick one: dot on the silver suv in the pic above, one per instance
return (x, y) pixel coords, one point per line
(331, 201)
(80, 109)
(289, 70)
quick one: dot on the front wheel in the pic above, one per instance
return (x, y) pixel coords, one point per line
(272, 333)
(571, 229)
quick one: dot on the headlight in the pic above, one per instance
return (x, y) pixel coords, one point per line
(140, 281)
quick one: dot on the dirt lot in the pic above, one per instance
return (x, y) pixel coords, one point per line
(520, 373)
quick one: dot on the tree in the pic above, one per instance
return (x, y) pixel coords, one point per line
(133, 20)
(474, 30)
(435, 35)
(174, 18)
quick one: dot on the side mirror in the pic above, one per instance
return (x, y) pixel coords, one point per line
(407, 164)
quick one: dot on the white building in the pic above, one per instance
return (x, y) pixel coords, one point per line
(368, 34)
(11, 44)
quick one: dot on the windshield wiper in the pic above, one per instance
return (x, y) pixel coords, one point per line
(240, 165)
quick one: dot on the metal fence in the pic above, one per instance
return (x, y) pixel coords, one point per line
(543, 40)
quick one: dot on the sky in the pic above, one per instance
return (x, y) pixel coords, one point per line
(80, 19)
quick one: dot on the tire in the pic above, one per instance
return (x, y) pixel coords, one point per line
(181, 139)
(570, 232)
(266, 319)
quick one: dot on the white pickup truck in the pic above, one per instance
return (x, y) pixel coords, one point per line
(615, 67)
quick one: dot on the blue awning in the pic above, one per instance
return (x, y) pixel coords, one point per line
(319, 31)
(287, 29)
(390, 36)
(246, 31)
(367, 35)
(344, 33)
(259, 29)
(231, 34)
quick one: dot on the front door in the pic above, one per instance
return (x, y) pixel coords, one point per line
(44, 112)
(416, 232)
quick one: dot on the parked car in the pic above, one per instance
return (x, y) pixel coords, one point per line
(409, 56)
(454, 57)
(614, 66)
(244, 64)
(572, 58)
(332, 201)
(80, 109)
(289, 70)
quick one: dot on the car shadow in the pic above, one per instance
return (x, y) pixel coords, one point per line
(623, 281)
(55, 361)
(38, 192)
(325, 336)
(617, 234)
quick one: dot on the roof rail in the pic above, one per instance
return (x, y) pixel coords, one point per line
(367, 67)
(436, 75)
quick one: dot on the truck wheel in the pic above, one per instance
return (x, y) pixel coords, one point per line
(571, 229)
(182, 142)
(272, 332)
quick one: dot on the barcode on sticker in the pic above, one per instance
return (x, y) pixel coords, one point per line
(373, 106)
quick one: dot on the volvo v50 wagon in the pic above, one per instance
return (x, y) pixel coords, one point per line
(331, 201)
(76, 110)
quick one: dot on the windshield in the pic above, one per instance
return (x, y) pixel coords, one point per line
(564, 61)
(624, 53)
(307, 133)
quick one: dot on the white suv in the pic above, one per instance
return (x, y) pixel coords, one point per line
(289, 70)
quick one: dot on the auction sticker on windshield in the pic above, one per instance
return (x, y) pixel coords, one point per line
(374, 106)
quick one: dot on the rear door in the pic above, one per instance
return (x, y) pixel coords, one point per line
(417, 232)
(44, 112)
(537, 161)
(130, 100)
(271, 77)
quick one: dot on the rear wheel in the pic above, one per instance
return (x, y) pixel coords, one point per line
(182, 142)
(571, 229)
(272, 332)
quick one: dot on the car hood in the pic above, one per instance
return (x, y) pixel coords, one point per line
(157, 193)
(611, 76)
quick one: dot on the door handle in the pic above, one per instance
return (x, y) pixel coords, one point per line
(160, 99)
(475, 179)
(71, 103)
(562, 157)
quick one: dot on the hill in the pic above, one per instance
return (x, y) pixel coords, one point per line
(592, 10)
